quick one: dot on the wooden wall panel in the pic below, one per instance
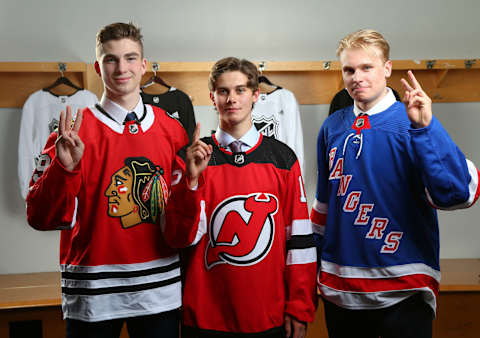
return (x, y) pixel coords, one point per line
(312, 82)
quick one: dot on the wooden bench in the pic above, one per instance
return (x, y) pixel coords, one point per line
(36, 297)
(31, 297)
(458, 313)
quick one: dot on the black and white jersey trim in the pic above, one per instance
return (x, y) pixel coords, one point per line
(119, 289)
(300, 242)
(119, 274)
(122, 278)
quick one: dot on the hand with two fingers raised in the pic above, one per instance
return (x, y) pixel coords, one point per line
(69, 147)
(417, 102)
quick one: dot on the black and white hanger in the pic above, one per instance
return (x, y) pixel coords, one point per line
(155, 79)
(62, 80)
(269, 87)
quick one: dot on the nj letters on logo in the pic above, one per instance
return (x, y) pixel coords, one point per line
(241, 230)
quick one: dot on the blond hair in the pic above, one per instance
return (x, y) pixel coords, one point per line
(364, 39)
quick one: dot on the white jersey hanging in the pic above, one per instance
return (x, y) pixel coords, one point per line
(277, 115)
(40, 116)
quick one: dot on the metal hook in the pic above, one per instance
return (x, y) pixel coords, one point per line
(430, 64)
(62, 67)
(261, 67)
(155, 68)
(469, 63)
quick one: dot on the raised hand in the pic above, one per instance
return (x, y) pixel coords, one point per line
(417, 102)
(198, 155)
(69, 147)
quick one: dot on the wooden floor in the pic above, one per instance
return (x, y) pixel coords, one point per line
(36, 297)
(458, 316)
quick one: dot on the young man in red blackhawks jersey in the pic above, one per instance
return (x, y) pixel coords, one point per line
(241, 208)
(384, 167)
(104, 180)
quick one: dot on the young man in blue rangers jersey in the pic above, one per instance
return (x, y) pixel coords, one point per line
(383, 169)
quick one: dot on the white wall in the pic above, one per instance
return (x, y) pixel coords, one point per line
(181, 30)
(271, 30)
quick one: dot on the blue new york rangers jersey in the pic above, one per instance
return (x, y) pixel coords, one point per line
(379, 183)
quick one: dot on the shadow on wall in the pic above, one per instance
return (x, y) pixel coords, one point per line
(10, 192)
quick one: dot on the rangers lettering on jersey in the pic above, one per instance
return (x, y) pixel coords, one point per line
(352, 204)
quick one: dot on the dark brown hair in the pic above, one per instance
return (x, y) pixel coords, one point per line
(230, 64)
(117, 31)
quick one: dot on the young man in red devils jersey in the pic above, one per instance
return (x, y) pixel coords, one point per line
(240, 204)
(106, 186)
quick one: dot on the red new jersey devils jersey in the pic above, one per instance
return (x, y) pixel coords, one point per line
(253, 258)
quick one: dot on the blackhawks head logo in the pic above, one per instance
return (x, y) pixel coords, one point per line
(137, 192)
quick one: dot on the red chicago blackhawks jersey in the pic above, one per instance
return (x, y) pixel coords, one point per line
(113, 258)
(253, 257)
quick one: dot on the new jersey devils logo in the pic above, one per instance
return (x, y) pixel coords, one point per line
(241, 230)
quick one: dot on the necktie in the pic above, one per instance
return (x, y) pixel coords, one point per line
(236, 146)
(130, 117)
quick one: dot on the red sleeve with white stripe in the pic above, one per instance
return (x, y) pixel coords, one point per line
(318, 217)
(301, 253)
(184, 224)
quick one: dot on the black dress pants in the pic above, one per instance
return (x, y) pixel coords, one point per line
(165, 325)
(411, 318)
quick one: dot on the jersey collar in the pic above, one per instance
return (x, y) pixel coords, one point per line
(117, 112)
(382, 105)
(249, 140)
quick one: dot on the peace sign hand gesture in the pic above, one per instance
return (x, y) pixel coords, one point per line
(417, 102)
(69, 147)
(197, 157)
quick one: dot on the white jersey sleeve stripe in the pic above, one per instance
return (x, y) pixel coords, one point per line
(381, 272)
(301, 256)
(299, 227)
(202, 224)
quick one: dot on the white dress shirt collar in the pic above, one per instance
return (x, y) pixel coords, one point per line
(117, 112)
(382, 105)
(249, 140)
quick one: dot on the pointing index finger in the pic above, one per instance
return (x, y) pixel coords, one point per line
(196, 133)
